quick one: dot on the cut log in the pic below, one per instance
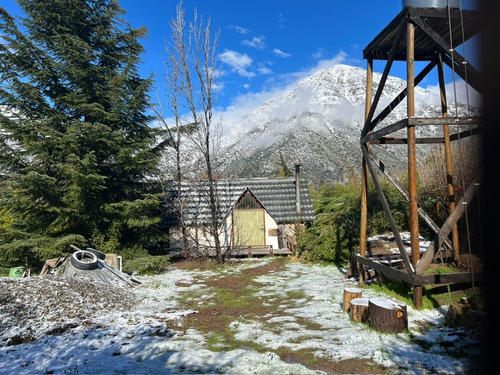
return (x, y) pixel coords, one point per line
(385, 315)
(349, 295)
(358, 312)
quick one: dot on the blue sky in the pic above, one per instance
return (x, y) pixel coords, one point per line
(266, 45)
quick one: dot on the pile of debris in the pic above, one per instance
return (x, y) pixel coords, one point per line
(70, 291)
(90, 264)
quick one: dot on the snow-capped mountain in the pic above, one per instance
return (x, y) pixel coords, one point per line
(318, 123)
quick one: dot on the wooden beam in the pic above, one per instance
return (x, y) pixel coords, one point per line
(404, 141)
(404, 192)
(381, 84)
(445, 230)
(455, 61)
(401, 124)
(419, 280)
(389, 272)
(433, 140)
(444, 121)
(387, 212)
(385, 112)
(448, 278)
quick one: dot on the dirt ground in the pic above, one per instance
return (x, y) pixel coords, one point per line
(216, 319)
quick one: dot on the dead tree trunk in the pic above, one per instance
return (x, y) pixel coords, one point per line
(350, 294)
(358, 312)
(385, 315)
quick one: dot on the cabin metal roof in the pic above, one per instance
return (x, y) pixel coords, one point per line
(277, 196)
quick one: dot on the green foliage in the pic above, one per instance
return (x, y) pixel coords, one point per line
(147, 265)
(433, 181)
(4, 272)
(284, 171)
(76, 149)
(334, 235)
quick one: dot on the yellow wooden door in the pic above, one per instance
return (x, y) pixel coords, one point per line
(248, 228)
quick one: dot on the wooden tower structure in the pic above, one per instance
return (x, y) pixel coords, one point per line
(428, 35)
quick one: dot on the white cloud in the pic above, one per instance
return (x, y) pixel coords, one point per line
(256, 42)
(464, 93)
(241, 30)
(279, 53)
(320, 52)
(265, 70)
(275, 86)
(281, 21)
(239, 62)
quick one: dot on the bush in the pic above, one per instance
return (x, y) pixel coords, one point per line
(334, 236)
(148, 265)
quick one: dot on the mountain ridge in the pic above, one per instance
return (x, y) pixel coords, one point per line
(318, 123)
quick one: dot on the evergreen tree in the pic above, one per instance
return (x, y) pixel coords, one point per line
(76, 151)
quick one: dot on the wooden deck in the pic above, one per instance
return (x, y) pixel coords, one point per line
(242, 252)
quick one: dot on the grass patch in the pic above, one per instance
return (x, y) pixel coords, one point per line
(4, 272)
(432, 296)
(232, 298)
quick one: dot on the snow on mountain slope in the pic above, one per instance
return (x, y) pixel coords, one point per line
(318, 123)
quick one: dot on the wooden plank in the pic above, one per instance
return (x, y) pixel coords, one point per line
(384, 34)
(387, 211)
(381, 84)
(471, 76)
(466, 133)
(431, 279)
(404, 192)
(385, 112)
(445, 120)
(389, 272)
(448, 278)
(401, 124)
(403, 141)
(445, 230)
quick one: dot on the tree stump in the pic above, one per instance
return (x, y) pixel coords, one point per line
(385, 315)
(358, 312)
(349, 295)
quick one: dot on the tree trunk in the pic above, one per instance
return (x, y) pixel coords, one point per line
(385, 315)
(358, 312)
(350, 294)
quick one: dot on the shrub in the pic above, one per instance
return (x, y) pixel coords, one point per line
(147, 265)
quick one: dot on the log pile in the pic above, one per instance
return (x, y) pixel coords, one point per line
(382, 314)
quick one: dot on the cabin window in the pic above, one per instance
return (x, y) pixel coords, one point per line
(248, 202)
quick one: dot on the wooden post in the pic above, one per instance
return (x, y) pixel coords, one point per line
(412, 157)
(350, 294)
(249, 251)
(385, 315)
(364, 176)
(358, 311)
(449, 161)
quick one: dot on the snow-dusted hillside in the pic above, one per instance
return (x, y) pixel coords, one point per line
(318, 123)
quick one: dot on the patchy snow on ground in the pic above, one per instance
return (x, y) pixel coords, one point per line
(148, 337)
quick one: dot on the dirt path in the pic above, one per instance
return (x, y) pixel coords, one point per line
(235, 299)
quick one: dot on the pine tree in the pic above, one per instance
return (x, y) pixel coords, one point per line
(76, 149)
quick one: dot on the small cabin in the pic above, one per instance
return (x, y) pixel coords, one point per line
(256, 216)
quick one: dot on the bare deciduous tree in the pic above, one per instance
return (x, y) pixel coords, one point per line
(191, 73)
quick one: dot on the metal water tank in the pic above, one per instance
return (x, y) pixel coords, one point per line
(431, 3)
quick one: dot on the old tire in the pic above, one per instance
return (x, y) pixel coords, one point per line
(84, 260)
(99, 254)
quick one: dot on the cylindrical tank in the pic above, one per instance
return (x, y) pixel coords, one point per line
(431, 3)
